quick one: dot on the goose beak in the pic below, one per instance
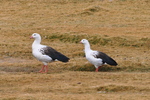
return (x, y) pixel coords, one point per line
(31, 37)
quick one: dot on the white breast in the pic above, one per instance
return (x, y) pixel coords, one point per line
(38, 55)
(95, 61)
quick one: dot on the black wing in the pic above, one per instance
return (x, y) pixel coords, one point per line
(54, 54)
(106, 59)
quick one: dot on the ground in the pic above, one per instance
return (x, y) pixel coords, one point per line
(120, 28)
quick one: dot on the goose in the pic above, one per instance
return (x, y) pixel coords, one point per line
(96, 58)
(45, 53)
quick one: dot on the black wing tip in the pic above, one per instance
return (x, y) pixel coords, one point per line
(114, 64)
(66, 60)
(63, 59)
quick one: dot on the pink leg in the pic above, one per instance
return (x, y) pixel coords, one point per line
(42, 69)
(46, 70)
(98, 68)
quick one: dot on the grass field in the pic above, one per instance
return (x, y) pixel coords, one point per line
(120, 28)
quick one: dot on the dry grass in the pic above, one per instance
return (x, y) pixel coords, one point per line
(120, 28)
(75, 85)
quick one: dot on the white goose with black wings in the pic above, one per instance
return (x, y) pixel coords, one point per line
(97, 58)
(45, 54)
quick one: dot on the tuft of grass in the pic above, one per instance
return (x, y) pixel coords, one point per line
(86, 67)
(99, 40)
(66, 37)
(121, 88)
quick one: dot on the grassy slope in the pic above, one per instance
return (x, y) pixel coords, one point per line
(119, 28)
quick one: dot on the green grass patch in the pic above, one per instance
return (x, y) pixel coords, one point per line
(100, 40)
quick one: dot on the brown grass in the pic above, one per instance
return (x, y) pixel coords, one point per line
(119, 28)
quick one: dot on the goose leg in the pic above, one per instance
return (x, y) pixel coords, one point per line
(42, 69)
(98, 68)
(46, 70)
